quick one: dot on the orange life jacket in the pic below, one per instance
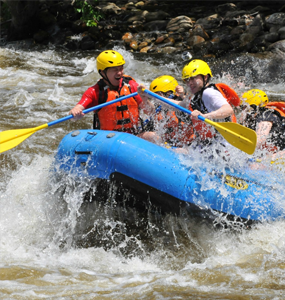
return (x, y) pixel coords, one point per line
(230, 94)
(277, 106)
(120, 116)
(206, 131)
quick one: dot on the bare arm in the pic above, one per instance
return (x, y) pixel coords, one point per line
(76, 111)
(223, 112)
(147, 107)
(262, 130)
(181, 103)
(180, 91)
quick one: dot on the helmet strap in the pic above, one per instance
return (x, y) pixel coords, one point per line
(205, 82)
(105, 77)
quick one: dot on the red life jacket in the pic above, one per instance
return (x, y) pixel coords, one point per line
(206, 131)
(120, 116)
(185, 134)
(177, 133)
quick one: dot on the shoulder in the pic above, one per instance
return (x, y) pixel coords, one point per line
(133, 86)
(269, 115)
(211, 94)
(128, 79)
(132, 83)
(92, 89)
(92, 92)
(211, 91)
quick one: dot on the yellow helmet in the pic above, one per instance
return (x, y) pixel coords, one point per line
(255, 97)
(163, 84)
(109, 58)
(196, 67)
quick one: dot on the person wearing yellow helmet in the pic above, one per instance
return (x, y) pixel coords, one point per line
(212, 101)
(167, 122)
(255, 97)
(266, 118)
(207, 100)
(168, 87)
(120, 116)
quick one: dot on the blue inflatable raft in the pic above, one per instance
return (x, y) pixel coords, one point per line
(159, 176)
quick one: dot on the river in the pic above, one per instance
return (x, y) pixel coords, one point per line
(160, 258)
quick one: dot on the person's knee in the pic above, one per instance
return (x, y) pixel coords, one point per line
(151, 137)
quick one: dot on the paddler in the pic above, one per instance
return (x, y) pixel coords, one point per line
(266, 118)
(212, 101)
(168, 123)
(121, 116)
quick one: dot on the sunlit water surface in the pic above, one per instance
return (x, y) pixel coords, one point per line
(154, 257)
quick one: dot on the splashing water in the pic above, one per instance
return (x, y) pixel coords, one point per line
(51, 247)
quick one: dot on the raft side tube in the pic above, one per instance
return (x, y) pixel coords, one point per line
(101, 154)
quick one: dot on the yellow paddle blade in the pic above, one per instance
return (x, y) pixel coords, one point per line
(237, 135)
(11, 138)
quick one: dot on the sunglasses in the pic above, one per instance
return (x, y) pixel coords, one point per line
(186, 80)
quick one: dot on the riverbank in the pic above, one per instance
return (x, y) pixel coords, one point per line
(206, 28)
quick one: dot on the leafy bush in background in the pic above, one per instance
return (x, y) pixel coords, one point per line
(90, 16)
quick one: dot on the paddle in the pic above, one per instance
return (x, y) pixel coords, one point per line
(11, 138)
(237, 135)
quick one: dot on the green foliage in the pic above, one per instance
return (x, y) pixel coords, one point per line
(89, 14)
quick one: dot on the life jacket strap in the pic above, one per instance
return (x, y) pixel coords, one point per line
(122, 107)
(124, 121)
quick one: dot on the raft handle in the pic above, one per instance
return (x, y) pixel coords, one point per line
(83, 152)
